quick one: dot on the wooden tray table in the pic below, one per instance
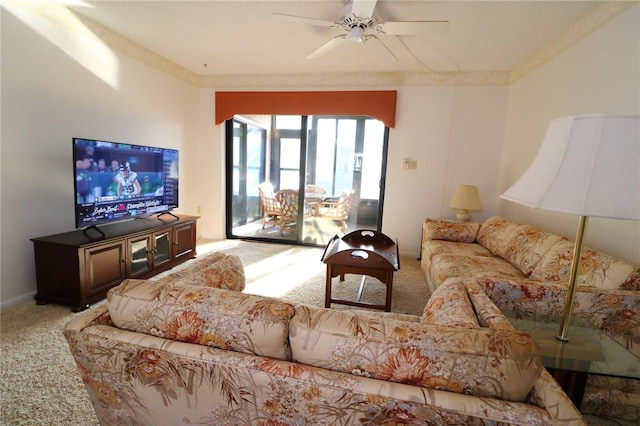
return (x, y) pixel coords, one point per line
(361, 252)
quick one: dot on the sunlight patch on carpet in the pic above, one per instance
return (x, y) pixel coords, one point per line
(278, 274)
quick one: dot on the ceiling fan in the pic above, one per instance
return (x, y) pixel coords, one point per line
(358, 25)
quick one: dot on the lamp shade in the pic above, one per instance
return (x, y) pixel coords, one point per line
(587, 165)
(466, 197)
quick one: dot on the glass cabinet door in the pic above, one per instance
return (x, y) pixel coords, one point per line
(139, 256)
(162, 248)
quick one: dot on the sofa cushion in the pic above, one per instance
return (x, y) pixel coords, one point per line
(484, 362)
(449, 305)
(446, 266)
(448, 230)
(527, 246)
(613, 397)
(207, 316)
(596, 269)
(632, 282)
(432, 248)
(495, 233)
(214, 269)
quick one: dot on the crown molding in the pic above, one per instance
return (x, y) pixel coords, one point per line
(356, 79)
(591, 22)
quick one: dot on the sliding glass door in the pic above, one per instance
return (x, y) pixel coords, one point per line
(248, 144)
(325, 174)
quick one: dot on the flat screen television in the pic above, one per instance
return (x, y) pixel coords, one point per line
(117, 181)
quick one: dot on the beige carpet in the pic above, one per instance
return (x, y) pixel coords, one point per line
(39, 383)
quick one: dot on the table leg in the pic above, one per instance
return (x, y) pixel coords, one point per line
(361, 288)
(327, 291)
(385, 276)
(389, 284)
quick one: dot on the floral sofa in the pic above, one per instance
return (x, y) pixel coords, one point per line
(179, 351)
(522, 268)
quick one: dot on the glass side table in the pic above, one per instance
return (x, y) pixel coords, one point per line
(588, 351)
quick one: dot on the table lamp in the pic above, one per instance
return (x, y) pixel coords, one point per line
(587, 166)
(465, 198)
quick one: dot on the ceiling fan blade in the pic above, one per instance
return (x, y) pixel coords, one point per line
(382, 53)
(331, 44)
(304, 20)
(421, 28)
(363, 8)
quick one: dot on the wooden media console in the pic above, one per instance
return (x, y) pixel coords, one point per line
(79, 267)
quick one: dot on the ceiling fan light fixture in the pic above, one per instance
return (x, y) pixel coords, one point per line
(357, 35)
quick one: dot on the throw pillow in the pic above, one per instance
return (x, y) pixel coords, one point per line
(483, 362)
(202, 315)
(448, 230)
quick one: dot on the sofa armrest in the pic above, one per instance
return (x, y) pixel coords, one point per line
(96, 316)
(215, 269)
(449, 305)
(73, 329)
(487, 312)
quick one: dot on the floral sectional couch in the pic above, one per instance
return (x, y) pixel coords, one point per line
(180, 350)
(525, 269)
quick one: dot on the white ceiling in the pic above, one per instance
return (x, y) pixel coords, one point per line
(243, 37)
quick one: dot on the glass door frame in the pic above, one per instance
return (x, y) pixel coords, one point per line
(230, 167)
(276, 169)
(273, 163)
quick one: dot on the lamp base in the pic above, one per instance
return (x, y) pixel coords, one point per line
(463, 215)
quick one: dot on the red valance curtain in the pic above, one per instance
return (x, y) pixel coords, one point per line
(380, 104)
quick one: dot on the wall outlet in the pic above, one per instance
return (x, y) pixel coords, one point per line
(406, 163)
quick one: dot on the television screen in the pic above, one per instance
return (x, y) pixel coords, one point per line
(117, 181)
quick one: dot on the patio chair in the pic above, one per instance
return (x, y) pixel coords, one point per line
(338, 210)
(271, 209)
(288, 199)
